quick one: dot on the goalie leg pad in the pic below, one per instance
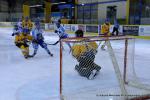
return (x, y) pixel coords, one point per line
(87, 58)
(87, 65)
(83, 71)
(97, 67)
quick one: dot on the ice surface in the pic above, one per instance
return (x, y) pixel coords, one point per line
(38, 78)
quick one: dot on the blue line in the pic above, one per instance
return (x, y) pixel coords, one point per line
(89, 4)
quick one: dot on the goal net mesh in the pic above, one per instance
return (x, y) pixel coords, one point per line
(124, 72)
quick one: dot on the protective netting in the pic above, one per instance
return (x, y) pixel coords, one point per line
(137, 75)
(117, 61)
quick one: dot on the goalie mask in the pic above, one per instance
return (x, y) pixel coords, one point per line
(79, 33)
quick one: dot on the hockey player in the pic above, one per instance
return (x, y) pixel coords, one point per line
(105, 31)
(115, 28)
(85, 55)
(27, 25)
(21, 41)
(38, 39)
(19, 24)
(61, 32)
(15, 30)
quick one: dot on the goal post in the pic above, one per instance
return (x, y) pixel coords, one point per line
(117, 79)
(136, 75)
(117, 70)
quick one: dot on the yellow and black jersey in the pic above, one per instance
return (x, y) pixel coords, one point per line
(21, 38)
(105, 29)
(80, 48)
(27, 24)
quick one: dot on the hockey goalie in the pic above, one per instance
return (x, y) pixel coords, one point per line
(85, 53)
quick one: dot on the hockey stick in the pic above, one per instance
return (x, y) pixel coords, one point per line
(56, 41)
(53, 43)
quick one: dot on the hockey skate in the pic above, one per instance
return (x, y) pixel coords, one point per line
(28, 56)
(33, 54)
(76, 67)
(103, 47)
(51, 54)
(93, 74)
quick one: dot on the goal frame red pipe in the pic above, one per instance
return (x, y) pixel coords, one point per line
(144, 97)
(125, 61)
(103, 38)
(60, 68)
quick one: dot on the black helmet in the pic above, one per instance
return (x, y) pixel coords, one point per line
(79, 33)
(15, 25)
(59, 21)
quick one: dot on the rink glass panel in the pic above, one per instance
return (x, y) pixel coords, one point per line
(106, 85)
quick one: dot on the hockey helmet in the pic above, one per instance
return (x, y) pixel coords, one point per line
(59, 21)
(107, 21)
(26, 18)
(79, 33)
(15, 26)
(20, 20)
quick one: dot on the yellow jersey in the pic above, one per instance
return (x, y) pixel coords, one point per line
(80, 48)
(105, 29)
(27, 24)
(21, 38)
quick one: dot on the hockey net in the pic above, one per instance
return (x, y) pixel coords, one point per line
(124, 73)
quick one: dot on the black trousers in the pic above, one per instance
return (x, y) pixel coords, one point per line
(115, 30)
(20, 44)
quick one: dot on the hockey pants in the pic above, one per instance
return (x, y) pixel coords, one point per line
(25, 50)
(42, 44)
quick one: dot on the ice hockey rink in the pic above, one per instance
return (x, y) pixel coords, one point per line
(38, 78)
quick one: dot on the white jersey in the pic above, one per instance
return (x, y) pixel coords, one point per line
(15, 31)
(61, 32)
(37, 34)
(19, 24)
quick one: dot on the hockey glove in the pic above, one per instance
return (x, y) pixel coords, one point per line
(56, 31)
(12, 34)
